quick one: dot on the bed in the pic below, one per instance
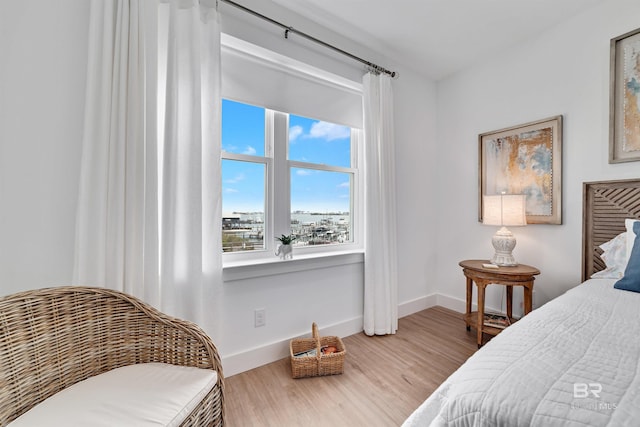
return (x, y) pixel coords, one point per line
(575, 361)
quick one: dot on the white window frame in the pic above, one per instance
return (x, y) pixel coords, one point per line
(277, 219)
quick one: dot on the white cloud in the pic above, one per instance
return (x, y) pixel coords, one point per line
(344, 185)
(303, 172)
(230, 190)
(249, 150)
(329, 131)
(229, 148)
(295, 132)
(236, 179)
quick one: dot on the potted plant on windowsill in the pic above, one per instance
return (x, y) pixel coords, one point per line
(284, 249)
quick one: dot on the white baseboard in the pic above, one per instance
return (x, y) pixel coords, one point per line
(452, 303)
(258, 356)
(416, 305)
(240, 362)
(460, 305)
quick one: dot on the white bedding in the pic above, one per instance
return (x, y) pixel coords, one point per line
(575, 361)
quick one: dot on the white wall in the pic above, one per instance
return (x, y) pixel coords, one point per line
(563, 71)
(42, 76)
(418, 190)
(42, 79)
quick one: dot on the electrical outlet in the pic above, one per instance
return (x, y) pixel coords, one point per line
(260, 317)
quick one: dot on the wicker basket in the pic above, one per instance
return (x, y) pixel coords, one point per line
(318, 364)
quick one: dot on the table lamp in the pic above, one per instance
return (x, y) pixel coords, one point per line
(504, 210)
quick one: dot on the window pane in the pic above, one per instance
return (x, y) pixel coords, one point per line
(242, 128)
(314, 141)
(321, 206)
(243, 205)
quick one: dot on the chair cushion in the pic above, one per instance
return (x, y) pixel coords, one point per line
(148, 394)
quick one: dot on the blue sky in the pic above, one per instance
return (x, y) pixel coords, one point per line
(312, 141)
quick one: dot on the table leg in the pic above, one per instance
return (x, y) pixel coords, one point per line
(509, 302)
(469, 298)
(528, 297)
(480, 312)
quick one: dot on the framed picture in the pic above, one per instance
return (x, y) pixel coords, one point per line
(524, 159)
(624, 98)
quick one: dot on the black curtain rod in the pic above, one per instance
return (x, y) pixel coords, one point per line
(289, 29)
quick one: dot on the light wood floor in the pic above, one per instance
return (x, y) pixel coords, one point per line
(385, 378)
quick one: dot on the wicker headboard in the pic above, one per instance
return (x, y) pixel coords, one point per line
(606, 204)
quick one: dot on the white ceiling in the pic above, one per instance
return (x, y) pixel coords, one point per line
(437, 37)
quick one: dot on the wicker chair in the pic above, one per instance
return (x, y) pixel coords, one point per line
(55, 337)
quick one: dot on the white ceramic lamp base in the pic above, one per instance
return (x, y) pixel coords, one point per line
(503, 243)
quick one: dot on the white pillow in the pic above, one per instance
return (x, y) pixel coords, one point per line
(615, 258)
(608, 273)
(631, 237)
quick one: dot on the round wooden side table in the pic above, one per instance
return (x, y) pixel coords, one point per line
(475, 272)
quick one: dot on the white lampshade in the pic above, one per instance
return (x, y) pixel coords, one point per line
(504, 210)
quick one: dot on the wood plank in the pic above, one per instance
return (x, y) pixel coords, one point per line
(605, 206)
(385, 378)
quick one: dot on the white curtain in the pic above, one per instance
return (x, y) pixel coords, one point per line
(150, 193)
(380, 268)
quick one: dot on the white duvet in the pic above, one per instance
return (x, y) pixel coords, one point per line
(573, 362)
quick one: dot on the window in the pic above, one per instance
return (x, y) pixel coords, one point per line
(290, 154)
(282, 174)
(244, 171)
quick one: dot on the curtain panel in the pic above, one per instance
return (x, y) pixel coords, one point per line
(150, 192)
(380, 259)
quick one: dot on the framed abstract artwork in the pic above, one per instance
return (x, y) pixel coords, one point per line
(524, 159)
(624, 98)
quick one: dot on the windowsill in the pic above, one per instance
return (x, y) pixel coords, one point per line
(240, 270)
